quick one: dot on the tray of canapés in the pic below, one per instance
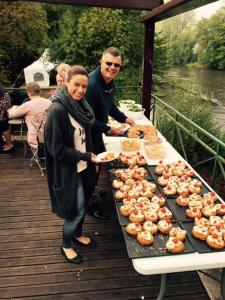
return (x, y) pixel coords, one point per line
(142, 208)
(185, 194)
(207, 234)
(149, 222)
(187, 207)
(190, 200)
(176, 179)
(121, 175)
(137, 196)
(149, 239)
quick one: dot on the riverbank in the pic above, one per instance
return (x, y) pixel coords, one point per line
(211, 83)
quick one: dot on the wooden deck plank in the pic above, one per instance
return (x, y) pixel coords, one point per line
(31, 266)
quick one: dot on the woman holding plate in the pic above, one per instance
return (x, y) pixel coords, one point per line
(69, 159)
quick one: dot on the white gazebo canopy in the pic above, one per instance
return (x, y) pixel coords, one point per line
(39, 70)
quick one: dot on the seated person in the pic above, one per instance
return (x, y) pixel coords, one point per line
(62, 70)
(34, 112)
(59, 80)
(18, 97)
(5, 103)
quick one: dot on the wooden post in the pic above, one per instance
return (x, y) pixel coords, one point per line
(148, 66)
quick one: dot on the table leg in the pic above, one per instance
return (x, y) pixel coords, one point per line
(162, 286)
(222, 284)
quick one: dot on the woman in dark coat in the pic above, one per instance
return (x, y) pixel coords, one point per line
(69, 159)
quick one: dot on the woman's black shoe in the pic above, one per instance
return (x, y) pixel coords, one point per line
(90, 245)
(76, 260)
(95, 211)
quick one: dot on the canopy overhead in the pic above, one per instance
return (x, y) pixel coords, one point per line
(173, 8)
(132, 4)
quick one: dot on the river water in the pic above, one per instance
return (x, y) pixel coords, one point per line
(211, 82)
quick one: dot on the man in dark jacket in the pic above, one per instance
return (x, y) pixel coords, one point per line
(100, 94)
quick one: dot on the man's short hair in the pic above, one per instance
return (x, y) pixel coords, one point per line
(113, 51)
(33, 88)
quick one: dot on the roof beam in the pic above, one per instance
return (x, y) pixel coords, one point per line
(131, 4)
(173, 8)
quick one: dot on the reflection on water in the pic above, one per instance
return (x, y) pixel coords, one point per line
(212, 82)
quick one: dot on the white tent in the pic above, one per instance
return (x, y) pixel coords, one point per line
(39, 70)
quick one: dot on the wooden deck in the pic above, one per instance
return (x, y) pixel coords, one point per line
(31, 266)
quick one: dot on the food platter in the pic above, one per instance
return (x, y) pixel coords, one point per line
(107, 156)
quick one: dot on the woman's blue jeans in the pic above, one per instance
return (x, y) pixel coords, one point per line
(73, 228)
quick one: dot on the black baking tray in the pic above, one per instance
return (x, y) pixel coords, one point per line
(151, 169)
(135, 250)
(125, 220)
(111, 175)
(178, 211)
(116, 163)
(122, 220)
(199, 245)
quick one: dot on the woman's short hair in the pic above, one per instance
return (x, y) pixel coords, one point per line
(33, 88)
(76, 70)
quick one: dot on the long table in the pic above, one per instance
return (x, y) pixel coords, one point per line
(173, 263)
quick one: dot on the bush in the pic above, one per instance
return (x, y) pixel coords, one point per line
(187, 100)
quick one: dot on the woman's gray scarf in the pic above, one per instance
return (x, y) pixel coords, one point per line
(80, 110)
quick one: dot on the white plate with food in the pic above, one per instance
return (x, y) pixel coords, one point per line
(107, 156)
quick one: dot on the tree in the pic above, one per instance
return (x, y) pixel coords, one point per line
(63, 46)
(85, 32)
(54, 13)
(160, 61)
(180, 35)
(23, 32)
(112, 27)
(211, 42)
